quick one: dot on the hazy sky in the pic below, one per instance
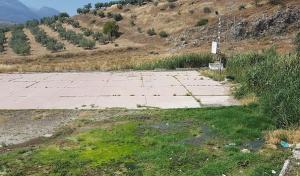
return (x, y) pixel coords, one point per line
(69, 6)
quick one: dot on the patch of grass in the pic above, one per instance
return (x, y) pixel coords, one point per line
(202, 22)
(213, 74)
(180, 61)
(274, 79)
(163, 143)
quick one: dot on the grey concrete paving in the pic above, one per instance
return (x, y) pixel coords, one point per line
(99, 90)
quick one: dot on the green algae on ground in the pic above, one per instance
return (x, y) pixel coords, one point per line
(156, 146)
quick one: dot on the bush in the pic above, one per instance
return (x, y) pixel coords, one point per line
(182, 61)
(274, 79)
(117, 16)
(275, 2)
(151, 32)
(206, 10)
(87, 44)
(202, 22)
(111, 29)
(101, 14)
(242, 6)
(163, 34)
(19, 42)
(87, 32)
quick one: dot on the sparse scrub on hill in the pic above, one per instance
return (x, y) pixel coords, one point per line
(87, 32)
(73, 37)
(49, 42)
(19, 42)
(272, 77)
(117, 16)
(49, 20)
(151, 32)
(163, 34)
(181, 61)
(101, 14)
(242, 7)
(171, 5)
(71, 22)
(206, 10)
(275, 2)
(100, 5)
(202, 22)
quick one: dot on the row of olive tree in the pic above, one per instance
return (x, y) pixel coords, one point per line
(2, 40)
(19, 42)
(88, 7)
(41, 37)
(73, 37)
(49, 42)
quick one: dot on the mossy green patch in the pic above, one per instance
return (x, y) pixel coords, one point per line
(174, 142)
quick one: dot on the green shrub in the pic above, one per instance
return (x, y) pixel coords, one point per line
(181, 61)
(87, 44)
(202, 22)
(111, 29)
(163, 34)
(117, 16)
(151, 32)
(242, 6)
(206, 10)
(101, 14)
(275, 2)
(87, 32)
(274, 79)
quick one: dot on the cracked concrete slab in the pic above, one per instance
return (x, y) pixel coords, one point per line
(99, 90)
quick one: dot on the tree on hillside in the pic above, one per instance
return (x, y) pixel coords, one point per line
(88, 6)
(111, 29)
(98, 5)
(64, 15)
(79, 11)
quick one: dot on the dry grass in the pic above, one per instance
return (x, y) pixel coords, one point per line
(125, 58)
(7, 68)
(213, 74)
(273, 138)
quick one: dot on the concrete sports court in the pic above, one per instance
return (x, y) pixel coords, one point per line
(99, 90)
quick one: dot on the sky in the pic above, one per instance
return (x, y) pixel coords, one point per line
(69, 6)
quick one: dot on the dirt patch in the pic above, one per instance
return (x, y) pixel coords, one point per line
(20, 128)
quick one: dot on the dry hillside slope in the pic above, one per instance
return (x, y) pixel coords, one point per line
(189, 25)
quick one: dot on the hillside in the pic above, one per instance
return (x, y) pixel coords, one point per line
(162, 28)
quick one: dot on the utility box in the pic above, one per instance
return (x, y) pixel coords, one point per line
(214, 47)
(216, 66)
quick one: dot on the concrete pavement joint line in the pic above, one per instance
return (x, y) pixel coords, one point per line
(143, 85)
(190, 93)
(32, 84)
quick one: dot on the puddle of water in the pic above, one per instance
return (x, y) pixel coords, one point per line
(204, 136)
(255, 145)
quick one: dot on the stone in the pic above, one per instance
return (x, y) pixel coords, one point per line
(245, 151)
